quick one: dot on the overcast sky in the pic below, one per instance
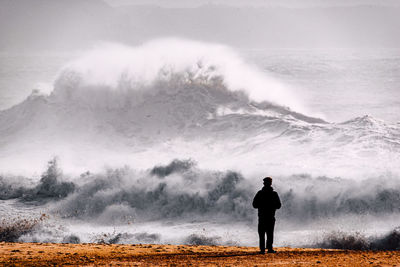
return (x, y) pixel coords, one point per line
(287, 3)
(77, 24)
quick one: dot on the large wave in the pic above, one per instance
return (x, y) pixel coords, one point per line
(141, 106)
(122, 119)
(167, 65)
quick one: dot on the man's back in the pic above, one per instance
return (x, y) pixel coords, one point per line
(266, 201)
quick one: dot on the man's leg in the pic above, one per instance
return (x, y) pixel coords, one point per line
(270, 233)
(261, 235)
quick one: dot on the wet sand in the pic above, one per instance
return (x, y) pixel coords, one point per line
(46, 254)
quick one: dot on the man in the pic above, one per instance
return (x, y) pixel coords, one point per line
(267, 202)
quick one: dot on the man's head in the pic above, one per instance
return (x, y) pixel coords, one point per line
(267, 181)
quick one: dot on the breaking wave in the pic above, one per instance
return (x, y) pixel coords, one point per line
(181, 190)
(358, 241)
(138, 106)
(162, 64)
(49, 187)
(182, 131)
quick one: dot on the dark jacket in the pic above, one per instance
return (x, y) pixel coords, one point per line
(266, 201)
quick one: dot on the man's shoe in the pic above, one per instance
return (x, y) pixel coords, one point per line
(271, 251)
(262, 252)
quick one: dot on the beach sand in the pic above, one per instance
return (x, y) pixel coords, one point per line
(46, 254)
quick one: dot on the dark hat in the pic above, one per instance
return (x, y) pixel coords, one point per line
(267, 180)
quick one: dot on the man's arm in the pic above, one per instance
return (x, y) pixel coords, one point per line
(256, 200)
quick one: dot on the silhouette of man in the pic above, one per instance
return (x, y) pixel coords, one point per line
(267, 202)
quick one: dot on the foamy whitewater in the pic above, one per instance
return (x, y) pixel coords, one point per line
(168, 143)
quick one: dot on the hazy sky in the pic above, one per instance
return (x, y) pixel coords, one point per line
(288, 3)
(76, 24)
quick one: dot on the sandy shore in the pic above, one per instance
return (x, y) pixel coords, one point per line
(36, 254)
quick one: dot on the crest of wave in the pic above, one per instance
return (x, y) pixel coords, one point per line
(112, 72)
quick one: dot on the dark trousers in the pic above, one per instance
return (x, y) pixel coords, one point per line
(266, 226)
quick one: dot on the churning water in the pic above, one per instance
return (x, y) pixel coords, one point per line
(167, 143)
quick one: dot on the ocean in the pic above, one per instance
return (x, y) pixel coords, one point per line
(168, 142)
